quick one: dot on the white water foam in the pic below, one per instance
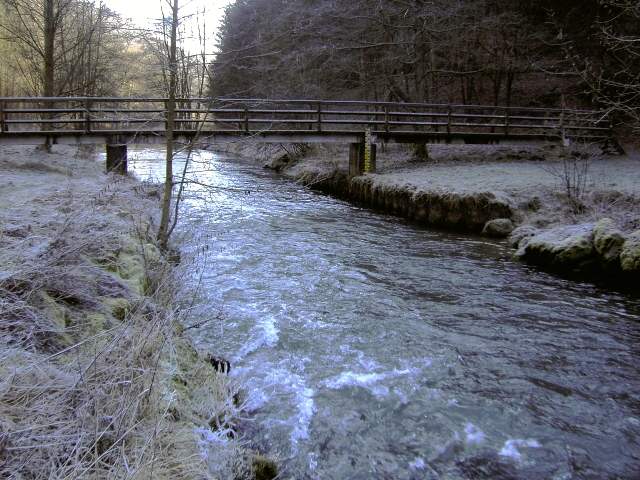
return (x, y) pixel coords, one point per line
(474, 436)
(510, 448)
(306, 409)
(367, 363)
(281, 381)
(364, 380)
(313, 460)
(265, 333)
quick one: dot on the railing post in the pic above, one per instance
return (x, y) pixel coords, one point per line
(449, 121)
(87, 116)
(506, 122)
(246, 120)
(562, 119)
(319, 117)
(386, 118)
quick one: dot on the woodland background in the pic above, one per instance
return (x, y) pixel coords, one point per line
(503, 52)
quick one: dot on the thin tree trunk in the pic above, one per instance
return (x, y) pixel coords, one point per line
(163, 231)
(48, 77)
(49, 40)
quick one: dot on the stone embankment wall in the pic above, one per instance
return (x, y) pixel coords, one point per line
(589, 248)
(468, 212)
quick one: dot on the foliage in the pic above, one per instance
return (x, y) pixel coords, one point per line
(524, 52)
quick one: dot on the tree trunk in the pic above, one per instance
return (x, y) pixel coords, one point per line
(48, 77)
(49, 41)
(163, 231)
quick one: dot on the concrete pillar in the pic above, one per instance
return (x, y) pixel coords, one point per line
(117, 158)
(356, 159)
(362, 158)
(370, 162)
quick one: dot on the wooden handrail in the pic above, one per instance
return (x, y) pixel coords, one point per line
(96, 115)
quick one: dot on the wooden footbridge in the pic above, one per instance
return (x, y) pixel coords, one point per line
(117, 122)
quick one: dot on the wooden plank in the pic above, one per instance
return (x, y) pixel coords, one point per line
(419, 124)
(37, 120)
(44, 110)
(128, 120)
(125, 110)
(289, 102)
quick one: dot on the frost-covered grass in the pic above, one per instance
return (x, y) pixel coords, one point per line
(97, 378)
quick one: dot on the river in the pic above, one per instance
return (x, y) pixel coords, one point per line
(375, 349)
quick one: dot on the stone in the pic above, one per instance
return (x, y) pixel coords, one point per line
(630, 254)
(498, 228)
(524, 232)
(608, 241)
(264, 468)
(532, 204)
(219, 364)
(566, 246)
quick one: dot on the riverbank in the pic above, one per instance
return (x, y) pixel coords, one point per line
(98, 376)
(571, 211)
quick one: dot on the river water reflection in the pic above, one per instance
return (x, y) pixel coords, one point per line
(376, 349)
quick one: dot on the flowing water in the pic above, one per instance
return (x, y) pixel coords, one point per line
(377, 349)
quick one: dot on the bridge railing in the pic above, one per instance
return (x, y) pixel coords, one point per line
(147, 116)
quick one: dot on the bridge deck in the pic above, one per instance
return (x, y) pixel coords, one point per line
(143, 120)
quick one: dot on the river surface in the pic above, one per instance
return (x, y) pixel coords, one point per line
(374, 349)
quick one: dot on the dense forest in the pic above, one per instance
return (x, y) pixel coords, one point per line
(503, 52)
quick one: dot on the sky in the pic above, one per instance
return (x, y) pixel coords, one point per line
(145, 12)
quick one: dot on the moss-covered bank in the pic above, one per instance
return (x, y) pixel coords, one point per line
(98, 378)
(463, 212)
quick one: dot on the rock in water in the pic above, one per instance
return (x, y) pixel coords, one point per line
(524, 232)
(498, 228)
(608, 241)
(264, 468)
(630, 254)
(568, 246)
(219, 364)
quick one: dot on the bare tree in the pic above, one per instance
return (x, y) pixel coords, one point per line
(65, 47)
(163, 230)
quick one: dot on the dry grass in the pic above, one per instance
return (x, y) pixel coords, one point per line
(97, 379)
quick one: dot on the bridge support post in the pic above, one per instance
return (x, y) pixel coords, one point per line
(117, 158)
(356, 159)
(362, 158)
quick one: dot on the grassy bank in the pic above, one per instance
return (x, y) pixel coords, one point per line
(98, 378)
